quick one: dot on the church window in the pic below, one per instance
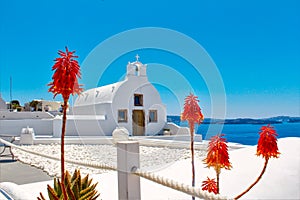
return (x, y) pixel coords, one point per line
(152, 116)
(138, 100)
(122, 115)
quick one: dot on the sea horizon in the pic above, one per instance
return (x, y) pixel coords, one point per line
(242, 133)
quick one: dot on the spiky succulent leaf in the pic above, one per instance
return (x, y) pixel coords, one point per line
(42, 197)
(61, 197)
(57, 187)
(70, 193)
(84, 182)
(79, 181)
(75, 175)
(76, 188)
(75, 185)
(51, 193)
(84, 191)
(89, 182)
(67, 179)
(89, 191)
(88, 195)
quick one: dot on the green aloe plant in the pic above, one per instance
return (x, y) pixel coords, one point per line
(76, 188)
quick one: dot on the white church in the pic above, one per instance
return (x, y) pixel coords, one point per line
(134, 104)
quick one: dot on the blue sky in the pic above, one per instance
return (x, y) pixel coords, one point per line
(254, 44)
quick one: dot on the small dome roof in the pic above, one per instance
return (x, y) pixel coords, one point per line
(98, 95)
(138, 63)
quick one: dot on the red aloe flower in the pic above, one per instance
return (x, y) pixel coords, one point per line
(267, 148)
(217, 155)
(67, 70)
(192, 114)
(210, 185)
(267, 143)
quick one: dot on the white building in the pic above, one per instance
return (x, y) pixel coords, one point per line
(44, 105)
(133, 103)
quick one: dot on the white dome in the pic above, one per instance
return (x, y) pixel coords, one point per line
(98, 95)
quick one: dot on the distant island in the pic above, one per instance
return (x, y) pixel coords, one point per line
(271, 120)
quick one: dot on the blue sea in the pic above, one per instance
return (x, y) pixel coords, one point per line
(247, 134)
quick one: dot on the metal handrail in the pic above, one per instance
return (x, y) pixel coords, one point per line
(5, 146)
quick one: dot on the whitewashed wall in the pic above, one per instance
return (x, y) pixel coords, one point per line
(5, 115)
(85, 125)
(14, 127)
(123, 99)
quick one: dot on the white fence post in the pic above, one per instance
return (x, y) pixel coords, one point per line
(128, 159)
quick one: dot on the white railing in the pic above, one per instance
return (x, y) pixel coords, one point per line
(129, 173)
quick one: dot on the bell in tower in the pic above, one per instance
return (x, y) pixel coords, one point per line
(136, 68)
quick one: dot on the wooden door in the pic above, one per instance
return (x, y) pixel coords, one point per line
(138, 122)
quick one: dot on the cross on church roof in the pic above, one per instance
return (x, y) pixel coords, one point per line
(137, 57)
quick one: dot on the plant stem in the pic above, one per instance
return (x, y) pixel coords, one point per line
(256, 181)
(218, 182)
(62, 151)
(192, 152)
